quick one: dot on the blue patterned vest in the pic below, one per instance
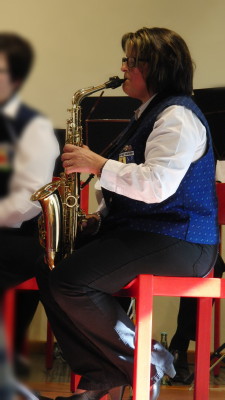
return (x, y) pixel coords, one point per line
(191, 212)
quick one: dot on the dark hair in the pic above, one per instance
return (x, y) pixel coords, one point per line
(170, 65)
(19, 53)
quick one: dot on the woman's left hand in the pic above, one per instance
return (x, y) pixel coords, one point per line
(81, 159)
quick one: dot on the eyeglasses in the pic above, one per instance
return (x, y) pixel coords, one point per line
(132, 61)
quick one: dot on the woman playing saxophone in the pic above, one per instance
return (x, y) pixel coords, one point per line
(155, 218)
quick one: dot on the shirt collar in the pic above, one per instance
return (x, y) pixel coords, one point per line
(11, 108)
(140, 110)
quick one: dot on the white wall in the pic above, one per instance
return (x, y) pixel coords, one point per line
(78, 44)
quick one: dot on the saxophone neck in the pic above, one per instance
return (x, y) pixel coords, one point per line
(82, 93)
(112, 83)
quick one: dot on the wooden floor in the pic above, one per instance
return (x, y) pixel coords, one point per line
(53, 389)
(55, 383)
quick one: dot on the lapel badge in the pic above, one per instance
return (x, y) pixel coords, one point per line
(127, 155)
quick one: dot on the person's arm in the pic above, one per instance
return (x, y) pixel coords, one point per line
(34, 162)
(178, 138)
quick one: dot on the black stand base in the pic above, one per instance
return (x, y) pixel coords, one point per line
(219, 358)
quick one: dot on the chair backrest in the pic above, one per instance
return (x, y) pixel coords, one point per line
(220, 188)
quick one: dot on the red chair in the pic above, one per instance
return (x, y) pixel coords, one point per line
(143, 288)
(9, 319)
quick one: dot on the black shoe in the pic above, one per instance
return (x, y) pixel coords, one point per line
(155, 390)
(181, 366)
(88, 395)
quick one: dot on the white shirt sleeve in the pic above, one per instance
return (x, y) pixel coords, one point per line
(34, 162)
(178, 139)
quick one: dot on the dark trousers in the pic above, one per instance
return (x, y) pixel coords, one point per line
(94, 332)
(20, 250)
(186, 321)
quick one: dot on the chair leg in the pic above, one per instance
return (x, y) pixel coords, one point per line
(74, 381)
(9, 319)
(202, 353)
(142, 354)
(217, 332)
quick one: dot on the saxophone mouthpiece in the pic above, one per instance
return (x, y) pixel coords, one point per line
(114, 82)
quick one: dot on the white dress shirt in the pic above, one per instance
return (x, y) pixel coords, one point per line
(35, 155)
(178, 138)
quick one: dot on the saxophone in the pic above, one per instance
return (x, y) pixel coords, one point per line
(60, 199)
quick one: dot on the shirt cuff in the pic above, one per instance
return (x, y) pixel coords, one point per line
(110, 171)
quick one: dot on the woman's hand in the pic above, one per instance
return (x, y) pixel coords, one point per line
(81, 159)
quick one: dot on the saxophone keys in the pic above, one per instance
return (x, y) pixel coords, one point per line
(72, 201)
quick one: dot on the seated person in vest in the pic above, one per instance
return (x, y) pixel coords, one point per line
(158, 212)
(28, 149)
